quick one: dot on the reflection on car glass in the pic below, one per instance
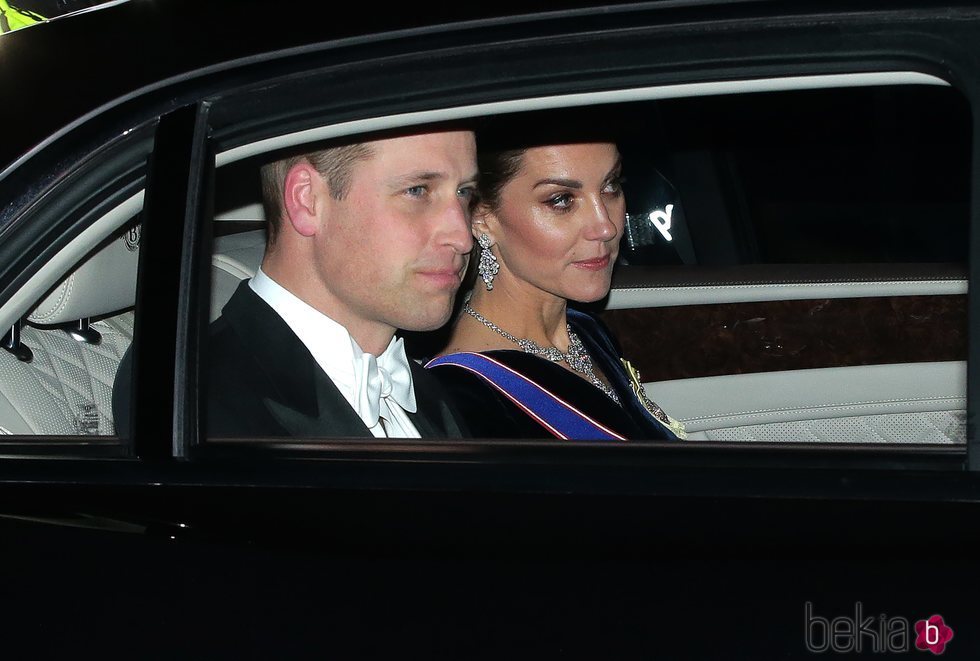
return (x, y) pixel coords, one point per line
(24, 13)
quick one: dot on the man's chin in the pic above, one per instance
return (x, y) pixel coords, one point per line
(428, 322)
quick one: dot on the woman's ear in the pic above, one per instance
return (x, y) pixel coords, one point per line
(301, 193)
(482, 221)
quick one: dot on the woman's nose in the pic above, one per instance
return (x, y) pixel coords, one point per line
(602, 227)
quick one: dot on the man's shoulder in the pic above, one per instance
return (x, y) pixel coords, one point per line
(224, 344)
(425, 384)
(246, 329)
(233, 356)
(236, 384)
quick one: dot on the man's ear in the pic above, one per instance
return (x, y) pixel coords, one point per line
(302, 193)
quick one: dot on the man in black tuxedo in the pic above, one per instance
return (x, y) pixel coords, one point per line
(364, 239)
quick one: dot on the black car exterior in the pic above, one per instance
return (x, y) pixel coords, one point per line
(165, 545)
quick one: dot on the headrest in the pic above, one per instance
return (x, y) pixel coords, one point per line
(656, 228)
(236, 257)
(249, 212)
(103, 284)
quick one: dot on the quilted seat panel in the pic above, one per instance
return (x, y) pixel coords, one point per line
(931, 427)
(67, 388)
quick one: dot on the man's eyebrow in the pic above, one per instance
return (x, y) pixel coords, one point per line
(416, 177)
(426, 176)
(567, 183)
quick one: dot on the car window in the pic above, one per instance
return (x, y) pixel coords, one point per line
(829, 176)
(61, 372)
(798, 270)
(60, 361)
(776, 243)
(769, 287)
(25, 13)
(70, 318)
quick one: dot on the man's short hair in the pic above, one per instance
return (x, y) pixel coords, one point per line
(335, 165)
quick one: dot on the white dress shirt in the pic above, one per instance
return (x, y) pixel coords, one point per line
(375, 387)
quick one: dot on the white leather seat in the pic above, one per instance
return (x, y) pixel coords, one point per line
(66, 388)
(236, 257)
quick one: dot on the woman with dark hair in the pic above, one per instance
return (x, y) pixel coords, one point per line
(523, 363)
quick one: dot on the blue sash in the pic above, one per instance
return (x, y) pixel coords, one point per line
(555, 414)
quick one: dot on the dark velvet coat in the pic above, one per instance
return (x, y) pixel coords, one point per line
(489, 414)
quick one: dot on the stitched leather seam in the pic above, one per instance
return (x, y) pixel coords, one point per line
(831, 407)
(782, 285)
(58, 304)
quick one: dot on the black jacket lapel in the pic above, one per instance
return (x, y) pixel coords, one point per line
(333, 416)
(298, 394)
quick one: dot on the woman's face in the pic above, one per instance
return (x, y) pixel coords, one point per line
(559, 221)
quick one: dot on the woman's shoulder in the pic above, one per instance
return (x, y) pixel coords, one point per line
(466, 366)
(580, 317)
(500, 369)
(484, 362)
(487, 410)
(513, 371)
(520, 383)
(593, 329)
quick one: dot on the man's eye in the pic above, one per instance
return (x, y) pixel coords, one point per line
(417, 191)
(466, 192)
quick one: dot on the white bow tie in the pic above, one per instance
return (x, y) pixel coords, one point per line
(387, 377)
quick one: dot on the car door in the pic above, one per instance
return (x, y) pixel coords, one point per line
(171, 544)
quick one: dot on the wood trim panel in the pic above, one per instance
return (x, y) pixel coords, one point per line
(739, 338)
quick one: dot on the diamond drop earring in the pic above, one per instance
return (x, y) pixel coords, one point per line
(488, 263)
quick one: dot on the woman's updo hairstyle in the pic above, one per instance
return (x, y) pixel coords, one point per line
(502, 140)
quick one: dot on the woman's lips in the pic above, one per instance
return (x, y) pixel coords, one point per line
(597, 264)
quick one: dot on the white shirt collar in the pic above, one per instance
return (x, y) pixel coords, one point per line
(336, 352)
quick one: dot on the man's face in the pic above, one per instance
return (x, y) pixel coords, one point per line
(395, 248)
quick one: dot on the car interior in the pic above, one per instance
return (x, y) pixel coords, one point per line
(679, 300)
(61, 360)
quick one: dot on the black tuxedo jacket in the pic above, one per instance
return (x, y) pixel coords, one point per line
(262, 381)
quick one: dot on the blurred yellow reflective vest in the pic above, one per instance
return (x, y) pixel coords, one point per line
(12, 18)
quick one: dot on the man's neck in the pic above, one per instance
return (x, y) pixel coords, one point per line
(372, 336)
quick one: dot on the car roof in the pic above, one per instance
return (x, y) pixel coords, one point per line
(105, 56)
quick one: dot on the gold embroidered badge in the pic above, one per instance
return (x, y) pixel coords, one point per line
(636, 385)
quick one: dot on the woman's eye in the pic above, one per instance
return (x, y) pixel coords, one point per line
(470, 197)
(614, 186)
(561, 201)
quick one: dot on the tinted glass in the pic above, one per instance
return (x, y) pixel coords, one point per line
(854, 175)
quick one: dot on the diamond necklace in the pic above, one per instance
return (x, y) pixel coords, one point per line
(576, 357)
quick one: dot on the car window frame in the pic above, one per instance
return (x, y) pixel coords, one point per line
(173, 447)
(739, 455)
(98, 185)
